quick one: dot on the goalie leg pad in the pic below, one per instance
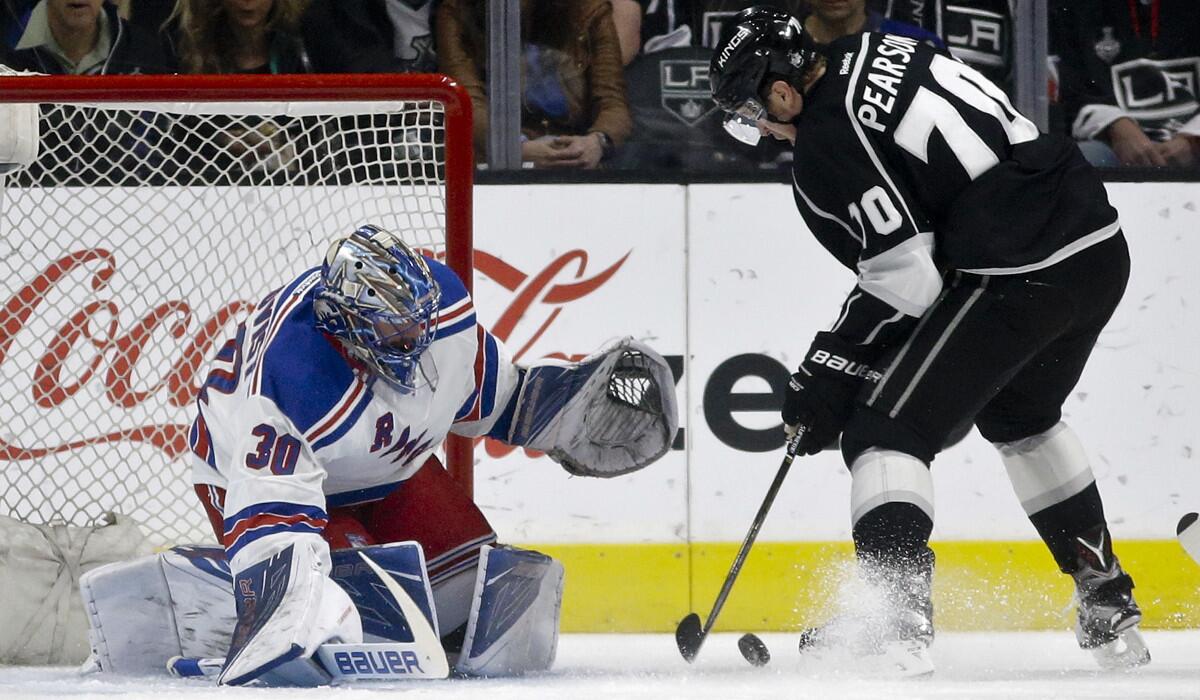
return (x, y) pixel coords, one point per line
(609, 414)
(513, 627)
(144, 611)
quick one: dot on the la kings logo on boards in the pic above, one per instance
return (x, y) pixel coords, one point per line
(685, 90)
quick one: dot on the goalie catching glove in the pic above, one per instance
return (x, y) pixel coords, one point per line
(820, 396)
(611, 413)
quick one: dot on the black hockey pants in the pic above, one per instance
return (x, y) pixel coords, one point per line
(1002, 351)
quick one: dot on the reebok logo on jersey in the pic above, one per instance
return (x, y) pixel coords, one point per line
(847, 61)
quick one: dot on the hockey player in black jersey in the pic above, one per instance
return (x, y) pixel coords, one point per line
(987, 259)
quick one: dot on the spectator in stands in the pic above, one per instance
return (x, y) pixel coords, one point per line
(1127, 77)
(574, 109)
(278, 36)
(627, 19)
(84, 37)
(833, 19)
(676, 23)
(242, 36)
(14, 15)
(977, 32)
(411, 24)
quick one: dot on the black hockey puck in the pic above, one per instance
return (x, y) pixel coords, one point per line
(753, 650)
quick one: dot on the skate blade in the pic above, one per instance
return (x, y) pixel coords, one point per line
(1127, 651)
(908, 658)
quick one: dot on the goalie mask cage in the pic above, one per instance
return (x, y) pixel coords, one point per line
(158, 211)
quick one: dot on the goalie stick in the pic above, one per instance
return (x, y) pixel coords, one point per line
(344, 662)
(1188, 531)
(689, 635)
(421, 658)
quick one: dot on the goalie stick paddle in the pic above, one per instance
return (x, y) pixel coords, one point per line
(690, 635)
(1189, 535)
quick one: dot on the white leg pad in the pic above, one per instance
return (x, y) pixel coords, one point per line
(142, 612)
(1046, 469)
(887, 476)
(513, 627)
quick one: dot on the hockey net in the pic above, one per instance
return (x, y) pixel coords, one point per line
(158, 210)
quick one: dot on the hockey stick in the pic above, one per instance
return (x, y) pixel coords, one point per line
(1189, 535)
(344, 662)
(689, 635)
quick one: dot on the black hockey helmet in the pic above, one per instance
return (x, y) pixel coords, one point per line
(759, 42)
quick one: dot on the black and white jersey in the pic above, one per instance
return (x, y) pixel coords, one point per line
(910, 164)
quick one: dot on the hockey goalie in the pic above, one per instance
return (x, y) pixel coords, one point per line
(313, 447)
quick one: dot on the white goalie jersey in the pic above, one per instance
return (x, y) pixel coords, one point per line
(290, 426)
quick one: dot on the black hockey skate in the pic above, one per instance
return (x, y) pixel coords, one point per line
(897, 631)
(1108, 615)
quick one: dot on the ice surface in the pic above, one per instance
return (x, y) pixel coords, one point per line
(648, 666)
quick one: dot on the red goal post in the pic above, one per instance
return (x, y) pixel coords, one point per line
(157, 209)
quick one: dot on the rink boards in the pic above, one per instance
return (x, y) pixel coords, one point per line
(727, 283)
(728, 277)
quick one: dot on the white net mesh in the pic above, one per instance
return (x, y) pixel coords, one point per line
(132, 247)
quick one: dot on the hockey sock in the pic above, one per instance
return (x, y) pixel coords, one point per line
(1061, 523)
(892, 534)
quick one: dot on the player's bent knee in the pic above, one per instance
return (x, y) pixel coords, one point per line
(881, 477)
(1046, 468)
(513, 625)
(1010, 429)
(144, 611)
(869, 429)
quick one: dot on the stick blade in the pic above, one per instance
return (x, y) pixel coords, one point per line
(1189, 535)
(689, 635)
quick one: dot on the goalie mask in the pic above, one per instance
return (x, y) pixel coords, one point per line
(378, 297)
(760, 43)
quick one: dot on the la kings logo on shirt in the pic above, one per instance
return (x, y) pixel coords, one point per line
(977, 36)
(685, 90)
(1161, 94)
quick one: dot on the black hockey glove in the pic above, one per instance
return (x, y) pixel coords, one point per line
(821, 395)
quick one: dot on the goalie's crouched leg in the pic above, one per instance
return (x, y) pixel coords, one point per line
(142, 612)
(513, 624)
(466, 573)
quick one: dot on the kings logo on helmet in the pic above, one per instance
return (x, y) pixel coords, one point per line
(734, 42)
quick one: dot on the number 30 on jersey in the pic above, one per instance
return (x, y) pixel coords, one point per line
(279, 452)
